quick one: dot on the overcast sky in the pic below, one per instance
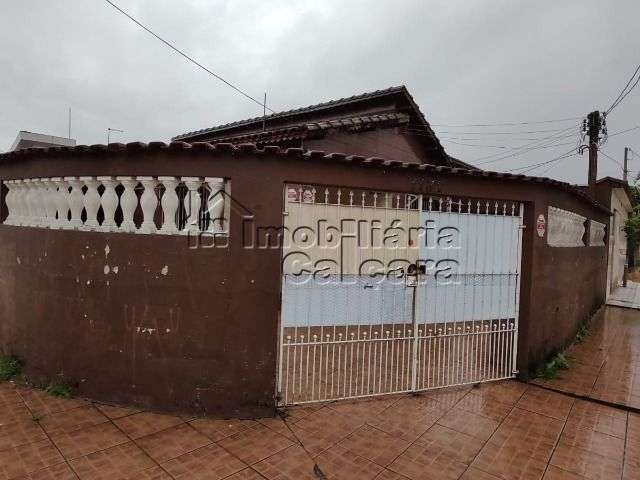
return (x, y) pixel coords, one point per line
(465, 62)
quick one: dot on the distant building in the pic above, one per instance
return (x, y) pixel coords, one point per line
(614, 194)
(38, 140)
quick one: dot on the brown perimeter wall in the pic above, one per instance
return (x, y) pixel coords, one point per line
(202, 336)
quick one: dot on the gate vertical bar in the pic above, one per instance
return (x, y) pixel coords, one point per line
(416, 290)
(514, 369)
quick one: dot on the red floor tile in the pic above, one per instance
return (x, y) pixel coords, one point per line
(545, 402)
(219, 429)
(26, 459)
(172, 442)
(73, 419)
(254, 444)
(79, 443)
(209, 462)
(422, 462)
(293, 463)
(117, 462)
(339, 463)
(459, 446)
(375, 445)
(146, 423)
(20, 432)
(469, 423)
(583, 462)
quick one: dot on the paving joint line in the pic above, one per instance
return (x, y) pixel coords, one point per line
(617, 406)
(66, 461)
(411, 444)
(110, 420)
(557, 442)
(213, 442)
(513, 407)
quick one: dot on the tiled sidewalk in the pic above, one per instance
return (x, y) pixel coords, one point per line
(504, 430)
(606, 364)
(628, 296)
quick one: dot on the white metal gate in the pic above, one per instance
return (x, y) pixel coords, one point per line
(385, 293)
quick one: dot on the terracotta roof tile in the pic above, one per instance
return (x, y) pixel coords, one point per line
(371, 162)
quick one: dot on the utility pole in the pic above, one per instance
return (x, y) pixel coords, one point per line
(625, 169)
(594, 124)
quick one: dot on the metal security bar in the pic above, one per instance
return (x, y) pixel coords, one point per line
(446, 313)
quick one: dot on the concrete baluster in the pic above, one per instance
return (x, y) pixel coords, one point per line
(192, 204)
(10, 202)
(109, 202)
(148, 203)
(75, 199)
(91, 202)
(215, 204)
(49, 202)
(169, 203)
(129, 203)
(62, 203)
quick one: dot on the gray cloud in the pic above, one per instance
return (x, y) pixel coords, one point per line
(464, 62)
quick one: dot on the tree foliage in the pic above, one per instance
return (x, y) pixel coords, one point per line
(632, 224)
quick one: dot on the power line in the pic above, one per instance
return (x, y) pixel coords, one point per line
(610, 158)
(541, 147)
(506, 124)
(523, 148)
(474, 144)
(624, 131)
(622, 94)
(180, 52)
(535, 165)
(518, 132)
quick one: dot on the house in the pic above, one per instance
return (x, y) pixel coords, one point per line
(38, 140)
(385, 123)
(614, 194)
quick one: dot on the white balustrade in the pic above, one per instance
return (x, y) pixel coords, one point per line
(59, 203)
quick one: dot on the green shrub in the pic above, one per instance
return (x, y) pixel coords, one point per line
(550, 369)
(59, 388)
(9, 367)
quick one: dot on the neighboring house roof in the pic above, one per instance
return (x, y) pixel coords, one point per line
(38, 140)
(300, 131)
(299, 153)
(300, 122)
(605, 188)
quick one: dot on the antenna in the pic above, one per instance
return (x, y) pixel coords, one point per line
(69, 131)
(109, 130)
(264, 112)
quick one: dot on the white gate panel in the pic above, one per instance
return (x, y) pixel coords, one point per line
(475, 273)
(348, 331)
